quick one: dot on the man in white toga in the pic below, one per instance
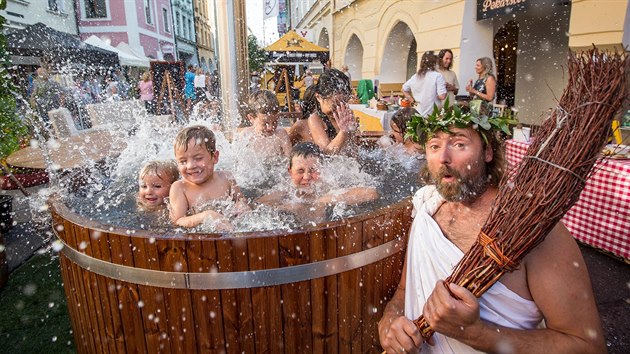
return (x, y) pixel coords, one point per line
(551, 283)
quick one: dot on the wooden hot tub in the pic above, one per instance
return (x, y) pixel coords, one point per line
(320, 290)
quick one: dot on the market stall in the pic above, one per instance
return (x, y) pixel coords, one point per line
(601, 216)
(286, 57)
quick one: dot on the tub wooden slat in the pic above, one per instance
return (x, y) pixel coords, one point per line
(296, 306)
(100, 250)
(85, 293)
(237, 304)
(153, 311)
(118, 335)
(208, 318)
(267, 312)
(318, 297)
(172, 258)
(370, 300)
(331, 295)
(350, 288)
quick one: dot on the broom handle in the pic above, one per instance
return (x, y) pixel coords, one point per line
(9, 174)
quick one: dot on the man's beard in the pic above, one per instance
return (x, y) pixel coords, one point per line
(464, 188)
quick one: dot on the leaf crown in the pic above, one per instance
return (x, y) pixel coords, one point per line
(421, 129)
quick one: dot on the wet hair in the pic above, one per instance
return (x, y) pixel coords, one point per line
(332, 81)
(487, 66)
(304, 150)
(200, 134)
(427, 63)
(264, 102)
(309, 102)
(402, 117)
(494, 169)
(441, 55)
(165, 170)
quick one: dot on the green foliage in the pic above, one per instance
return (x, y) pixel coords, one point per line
(257, 55)
(11, 128)
(420, 129)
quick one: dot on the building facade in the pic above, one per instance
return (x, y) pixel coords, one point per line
(314, 21)
(528, 42)
(57, 14)
(146, 25)
(204, 11)
(184, 23)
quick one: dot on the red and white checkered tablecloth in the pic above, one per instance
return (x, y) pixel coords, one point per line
(601, 216)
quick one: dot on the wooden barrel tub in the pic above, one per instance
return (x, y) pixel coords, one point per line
(322, 289)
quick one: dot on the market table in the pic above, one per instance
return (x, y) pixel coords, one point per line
(372, 119)
(601, 216)
(68, 153)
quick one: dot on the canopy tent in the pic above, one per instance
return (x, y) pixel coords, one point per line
(125, 58)
(57, 47)
(292, 48)
(138, 52)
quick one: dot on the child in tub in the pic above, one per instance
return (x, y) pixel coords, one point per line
(398, 129)
(155, 180)
(304, 171)
(202, 193)
(264, 136)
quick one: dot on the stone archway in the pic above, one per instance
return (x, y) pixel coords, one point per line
(324, 39)
(353, 57)
(397, 54)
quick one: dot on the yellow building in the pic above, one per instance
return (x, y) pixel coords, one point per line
(528, 41)
(205, 35)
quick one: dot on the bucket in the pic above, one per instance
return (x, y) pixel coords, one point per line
(6, 213)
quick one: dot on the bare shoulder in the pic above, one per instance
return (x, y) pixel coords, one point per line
(177, 187)
(282, 133)
(225, 176)
(559, 245)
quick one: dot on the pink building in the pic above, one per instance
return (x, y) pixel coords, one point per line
(146, 25)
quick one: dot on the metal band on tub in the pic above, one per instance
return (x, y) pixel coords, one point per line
(231, 280)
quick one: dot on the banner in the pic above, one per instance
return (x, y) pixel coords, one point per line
(270, 9)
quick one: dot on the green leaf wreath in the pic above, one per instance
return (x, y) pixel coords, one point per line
(421, 129)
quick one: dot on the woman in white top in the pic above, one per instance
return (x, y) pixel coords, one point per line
(200, 84)
(427, 87)
(445, 63)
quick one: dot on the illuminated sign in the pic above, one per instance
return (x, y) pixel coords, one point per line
(492, 8)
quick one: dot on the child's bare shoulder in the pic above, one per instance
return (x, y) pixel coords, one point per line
(282, 133)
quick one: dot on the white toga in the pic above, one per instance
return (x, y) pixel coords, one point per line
(431, 257)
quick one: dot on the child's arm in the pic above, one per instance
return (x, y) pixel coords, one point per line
(285, 141)
(352, 196)
(241, 205)
(179, 208)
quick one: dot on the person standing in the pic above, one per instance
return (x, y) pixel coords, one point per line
(189, 88)
(485, 86)
(445, 63)
(200, 85)
(46, 95)
(145, 86)
(346, 71)
(427, 87)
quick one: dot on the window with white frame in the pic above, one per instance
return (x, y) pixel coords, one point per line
(177, 22)
(167, 26)
(147, 12)
(191, 34)
(185, 32)
(95, 8)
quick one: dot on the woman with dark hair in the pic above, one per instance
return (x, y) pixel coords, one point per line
(427, 86)
(299, 131)
(445, 63)
(332, 124)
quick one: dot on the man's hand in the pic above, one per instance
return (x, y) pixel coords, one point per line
(454, 315)
(398, 334)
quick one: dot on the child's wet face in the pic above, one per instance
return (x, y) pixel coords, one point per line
(265, 124)
(153, 189)
(196, 164)
(397, 134)
(304, 171)
(329, 104)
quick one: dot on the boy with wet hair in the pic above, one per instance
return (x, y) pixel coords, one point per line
(304, 171)
(264, 135)
(201, 191)
(155, 180)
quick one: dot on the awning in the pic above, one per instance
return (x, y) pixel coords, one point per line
(294, 48)
(125, 58)
(57, 47)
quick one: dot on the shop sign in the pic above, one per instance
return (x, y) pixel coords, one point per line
(491, 8)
